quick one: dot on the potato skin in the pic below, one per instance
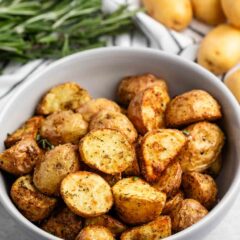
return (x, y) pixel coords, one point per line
(136, 201)
(215, 168)
(32, 204)
(56, 164)
(66, 96)
(172, 203)
(64, 127)
(190, 107)
(21, 158)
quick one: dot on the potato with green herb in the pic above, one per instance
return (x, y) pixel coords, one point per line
(172, 202)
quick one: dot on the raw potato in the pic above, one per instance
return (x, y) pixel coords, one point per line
(172, 203)
(95, 233)
(94, 106)
(192, 106)
(170, 179)
(220, 49)
(136, 201)
(172, 13)
(205, 142)
(63, 223)
(208, 11)
(32, 204)
(114, 120)
(158, 149)
(106, 150)
(21, 158)
(187, 213)
(157, 229)
(56, 164)
(64, 127)
(147, 109)
(86, 194)
(200, 187)
(115, 226)
(28, 130)
(66, 96)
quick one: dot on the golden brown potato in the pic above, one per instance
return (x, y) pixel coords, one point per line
(205, 142)
(114, 120)
(63, 223)
(200, 187)
(220, 49)
(94, 106)
(95, 233)
(187, 213)
(86, 194)
(136, 201)
(158, 149)
(21, 158)
(215, 168)
(32, 204)
(56, 164)
(66, 96)
(64, 127)
(170, 179)
(208, 11)
(133, 170)
(147, 109)
(190, 107)
(159, 228)
(115, 226)
(172, 13)
(106, 150)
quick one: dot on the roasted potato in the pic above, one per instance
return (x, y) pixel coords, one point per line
(32, 204)
(133, 170)
(136, 201)
(147, 109)
(86, 194)
(114, 120)
(190, 107)
(56, 164)
(94, 106)
(95, 233)
(200, 187)
(215, 168)
(159, 228)
(21, 158)
(170, 180)
(64, 127)
(220, 49)
(66, 96)
(187, 213)
(205, 142)
(158, 149)
(115, 226)
(63, 223)
(106, 150)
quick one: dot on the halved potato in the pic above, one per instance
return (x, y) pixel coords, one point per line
(64, 127)
(190, 107)
(215, 168)
(32, 204)
(159, 228)
(66, 96)
(21, 158)
(86, 194)
(136, 201)
(107, 150)
(158, 149)
(147, 109)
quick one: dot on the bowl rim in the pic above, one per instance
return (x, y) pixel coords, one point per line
(228, 198)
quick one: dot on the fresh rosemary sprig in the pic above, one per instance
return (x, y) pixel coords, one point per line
(43, 143)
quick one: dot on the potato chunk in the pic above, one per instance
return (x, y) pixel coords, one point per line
(66, 96)
(158, 149)
(157, 229)
(86, 194)
(190, 107)
(106, 150)
(64, 127)
(136, 201)
(32, 204)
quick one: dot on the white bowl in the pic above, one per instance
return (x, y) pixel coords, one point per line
(99, 71)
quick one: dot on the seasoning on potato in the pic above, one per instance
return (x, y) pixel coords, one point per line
(216, 167)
